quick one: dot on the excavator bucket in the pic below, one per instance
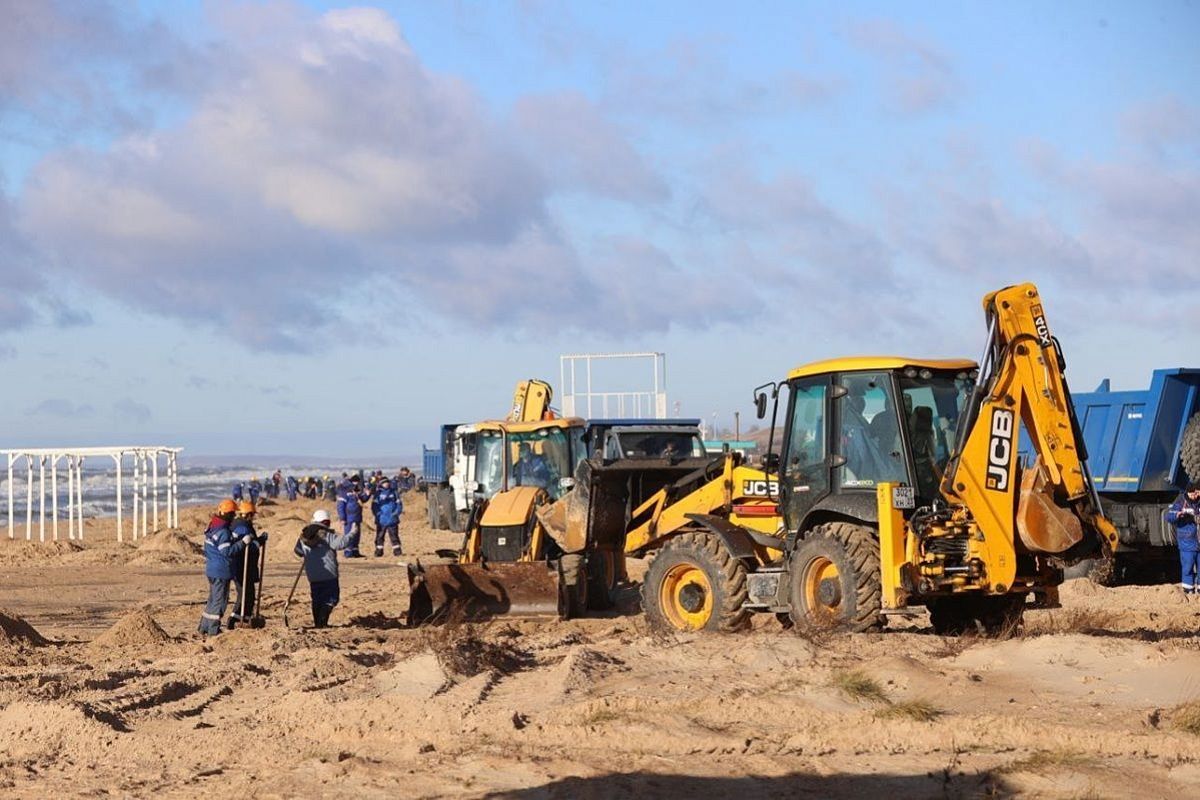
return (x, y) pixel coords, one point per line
(441, 592)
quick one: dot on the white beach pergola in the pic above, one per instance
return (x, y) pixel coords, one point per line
(145, 486)
(579, 398)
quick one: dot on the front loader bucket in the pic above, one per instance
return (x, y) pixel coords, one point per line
(440, 592)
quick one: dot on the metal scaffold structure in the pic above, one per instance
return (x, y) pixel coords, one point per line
(145, 487)
(580, 398)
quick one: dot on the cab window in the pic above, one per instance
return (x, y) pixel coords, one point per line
(869, 432)
(805, 467)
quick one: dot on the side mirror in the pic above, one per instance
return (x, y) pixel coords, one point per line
(760, 405)
(566, 483)
(472, 486)
(770, 462)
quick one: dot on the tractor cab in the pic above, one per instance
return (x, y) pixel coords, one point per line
(542, 454)
(854, 423)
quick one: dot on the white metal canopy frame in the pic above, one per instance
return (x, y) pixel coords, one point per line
(580, 399)
(145, 487)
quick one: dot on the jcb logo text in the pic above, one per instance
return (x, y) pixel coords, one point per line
(760, 488)
(1000, 449)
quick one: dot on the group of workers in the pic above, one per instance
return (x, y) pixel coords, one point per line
(383, 496)
(234, 549)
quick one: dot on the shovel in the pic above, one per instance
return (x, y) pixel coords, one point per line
(258, 621)
(292, 593)
(241, 615)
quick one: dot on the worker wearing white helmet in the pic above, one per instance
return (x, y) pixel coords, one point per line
(318, 545)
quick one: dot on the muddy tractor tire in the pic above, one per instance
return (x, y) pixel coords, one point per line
(695, 583)
(1189, 451)
(574, 578)
(835, 579)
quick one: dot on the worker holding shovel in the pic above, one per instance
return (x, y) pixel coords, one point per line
(318, 545)
(220, 548)
(246, 567)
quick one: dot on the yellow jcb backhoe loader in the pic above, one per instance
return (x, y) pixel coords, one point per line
(507, 564)
(897, 485)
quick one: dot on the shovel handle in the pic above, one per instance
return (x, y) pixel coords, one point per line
(288, 602)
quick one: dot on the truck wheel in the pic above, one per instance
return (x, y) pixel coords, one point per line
(601, 579)
(574, 584)
(434, 507)
(835, 578)
(447, 513)
(694, 584)
(1189, 451)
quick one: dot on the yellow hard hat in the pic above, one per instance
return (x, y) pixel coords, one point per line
(245, 507)
(226, 507)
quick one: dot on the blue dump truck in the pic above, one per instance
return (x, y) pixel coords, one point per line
(1143, 446)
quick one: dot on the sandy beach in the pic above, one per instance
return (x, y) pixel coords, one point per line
(108, 690)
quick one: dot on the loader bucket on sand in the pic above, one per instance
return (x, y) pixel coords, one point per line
(478, 591)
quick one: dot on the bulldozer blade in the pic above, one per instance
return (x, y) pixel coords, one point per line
(440, 592)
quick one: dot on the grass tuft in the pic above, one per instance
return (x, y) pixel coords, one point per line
(1045, 760)
(918, 710)
(1186, 717)
(858, 686)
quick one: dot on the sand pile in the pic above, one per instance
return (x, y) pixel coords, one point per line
(39, 728)
(132, 630)
(16, 632)
(167, 547)
(20, 552)
(170, 541)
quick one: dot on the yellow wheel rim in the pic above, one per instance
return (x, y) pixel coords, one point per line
(822, 587)
(685, 597)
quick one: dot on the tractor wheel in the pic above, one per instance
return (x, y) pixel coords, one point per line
(574, 584)
(993, 615)
(835, 578)
(694, 583)
(602, 580)
(433, 499)
(1189, 452)
(1001, 615)
(952, 616)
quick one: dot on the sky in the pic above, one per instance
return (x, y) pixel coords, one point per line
(323, 229)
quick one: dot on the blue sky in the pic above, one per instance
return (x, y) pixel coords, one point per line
(323, 229)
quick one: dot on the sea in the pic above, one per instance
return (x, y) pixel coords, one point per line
(201, 480)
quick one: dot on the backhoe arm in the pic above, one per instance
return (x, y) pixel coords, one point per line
(1021, 380)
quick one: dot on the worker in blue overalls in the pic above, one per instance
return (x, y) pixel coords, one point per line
(1182, 514)
(349, 510)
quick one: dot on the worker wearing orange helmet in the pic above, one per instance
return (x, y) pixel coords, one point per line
(220, 549)
(245, 564)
